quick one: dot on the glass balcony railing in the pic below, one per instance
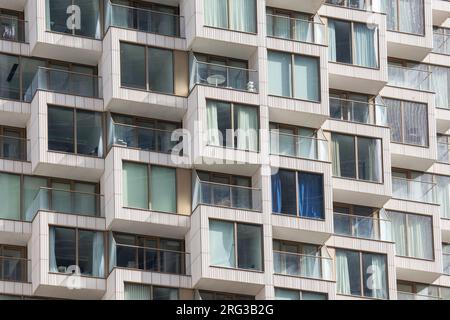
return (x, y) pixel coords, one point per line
(15, 269)
(144, 20)
(303, 265)
(13, 29)
(226, 195)
(290, 145)
(409, 78)
(65, 201)
(66, 82)
(142, 138)
(415, 296)
(354, 4)
(358, 111)
(149, 259)
(375, 228)
(443, 152)
(222, 76)
(14, 148)
(413, 190)
(441, 43)
(295, 29)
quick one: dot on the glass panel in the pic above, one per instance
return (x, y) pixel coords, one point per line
(31, 192)
(216, 13)
(249, 246)
(61, 197)
(90, 18)
(221, 243)
(280, 73)
(9, 196)
(310, 195)
(61, 129)
(135, 185)
(398, 221)
(283, 185)
(242, 15)
(64, 246)
(85, 199)
(340, 41)
(29, 71)
(89, 133)
(9, 80)
(132, 66)
(343, 153)
(163, 189)
(56, 15)
(313, 296)
(370, 161)
(306, 78)
(416, 123)
(366, 45)
(137, 291)
(126, 252)
(171, 256)
(348, 274)
(286, 294)
(374, 276)
(411, 16)
(246, 127)
(160, 70)
(394, 119)
(420, 241)
(219, 120)
(160, 293)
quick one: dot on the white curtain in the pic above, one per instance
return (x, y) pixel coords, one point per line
(375, 160)
(310, 263)
(221, 243)
(366, 49)
(443, 195)
(52, 257)
(420, 242)
(243, 15)
(307, 147)
(213, 126)
(216, 13)
(135, 291)
(336, 158)
(247, 127)
(98, 255)
(342, 273)
(440, 84)
(411, 16)
(378, 277)
(331, 41)
(398, 232)
(112, 251)
(303, 28)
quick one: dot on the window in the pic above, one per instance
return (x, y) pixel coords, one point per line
(10, 80)
(361, 274)
(440, 84)
(141, 133)
(289, 294)
(356, 157)
(9, 196)
(293, 25)
(88, 24)
(408, 121)
(13, 143)
(293, 76)
(309, 201)
(446, 257)
(443, 145)
(241, 120)
(413, 235)
(404, 16)
(443, 195)
(12, 25)
(412, 185)
(212, 295)
(353, 107)
(441, 40)
(237, 15)
(71, 249)
(135, 291)
(421, 291)
(158, 194)
(75, 131)
(352, 43)
(297, 259)
(13, 263)
(148, 253)
(235, 245)
(355, 4)
(147, 68)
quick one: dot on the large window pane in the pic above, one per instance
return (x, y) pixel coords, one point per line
(249, 246)
(221, 243)
(132, 66)
(394, 119)
(280, 73)
(56, 15)
(343, 153)
(416, 123)
(411, 16)
(89, 133)
(219, 121)
(216, 13)
(366, 45)
(398, 221)
(9, 77)
(242, 15)
(286, 294)
(420, 241)
(340, 41)
(161, 293)
(90, 18)
(369, 159)
(60, 129)
(246, 127)
(160, 70)
(283, 188)
(135, 185)
(62, 249)
(29, 69)
(134, 291)
(85, 199)
(348, 273)
(310, 195)
(440, 82)
(306, 78)
(374, 276)
(31, 188)
(9, 196)
(163, 189)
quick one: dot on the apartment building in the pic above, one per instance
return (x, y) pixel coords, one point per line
(225, 149)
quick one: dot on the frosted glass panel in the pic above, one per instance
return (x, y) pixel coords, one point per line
(163, 189)
(135, 185)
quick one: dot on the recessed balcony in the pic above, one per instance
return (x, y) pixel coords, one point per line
(413, 190)
(14, 148)
(358, 111)
(14, 268)
(409, 78)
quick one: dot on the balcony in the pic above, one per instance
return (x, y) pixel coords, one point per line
(142, 138)
(221, 76)
(13, 29)
(65, 82)
(303, 265)
(144, 20)
(65, 201)
(358, 111)
(283, 27)
(296, 146)
(443, 152)
(415, 296)
(15, 269)
(14, 148)
(310, 6)
(409, 78)
(413, 190)
(364, 227)
(226, 195)
(149, 259)
(441, 42)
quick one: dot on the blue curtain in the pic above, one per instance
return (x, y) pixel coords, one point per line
(310, 195)
(276, 193)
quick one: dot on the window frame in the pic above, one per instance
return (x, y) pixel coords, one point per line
(151, 287)
(77, 245)
(235, 241)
